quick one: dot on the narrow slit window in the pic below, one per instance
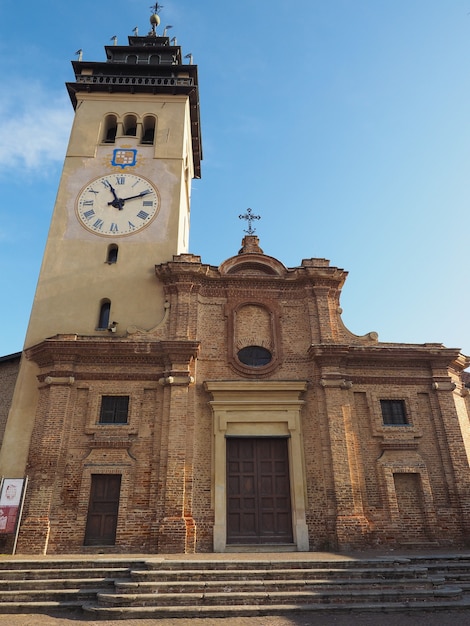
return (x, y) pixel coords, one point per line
(103, 319)
(112, 256)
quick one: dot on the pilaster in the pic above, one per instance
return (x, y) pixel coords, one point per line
(444, 389)
(45, 453)
(177, 530)
(351, 523)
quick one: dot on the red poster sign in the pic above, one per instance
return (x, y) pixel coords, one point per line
(10, 502)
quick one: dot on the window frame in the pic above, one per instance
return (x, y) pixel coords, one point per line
(117, 406)
(395, 417)
(253, 353)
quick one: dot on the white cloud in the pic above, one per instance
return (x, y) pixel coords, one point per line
(34, 127)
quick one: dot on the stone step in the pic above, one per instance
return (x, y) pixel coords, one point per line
(451, 557)
(269, 564)
(49, 606)
(7, 575)
(277, 597)
(187, 586)
(242, 585)
(312, 573)
(71, 564)
(73, 594)
(55, 584)
(448, 568)
(156, 612)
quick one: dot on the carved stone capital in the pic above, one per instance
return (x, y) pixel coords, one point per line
(340, 383)
(176, 380)
(59, 380)
(444, 385)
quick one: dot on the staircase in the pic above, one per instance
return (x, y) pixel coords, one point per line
(236, 584)
(46, 585)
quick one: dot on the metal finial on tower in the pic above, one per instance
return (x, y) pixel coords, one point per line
(249, 217)
(136, 31)
(79, 54)
(155, 18)
(190, 57)
(166, 28)
(114, 40)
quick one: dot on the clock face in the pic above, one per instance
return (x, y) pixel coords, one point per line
(117, 205)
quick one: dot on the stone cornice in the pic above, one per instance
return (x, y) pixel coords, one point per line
(434, 354)
(399, 444)
(273, 392)
(69, 350)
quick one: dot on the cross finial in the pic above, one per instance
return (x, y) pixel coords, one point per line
(249, 217)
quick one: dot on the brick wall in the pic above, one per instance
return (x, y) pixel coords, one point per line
(360, 475)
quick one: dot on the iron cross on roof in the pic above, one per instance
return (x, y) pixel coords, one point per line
(249, 217)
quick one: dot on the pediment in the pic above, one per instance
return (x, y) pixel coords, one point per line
(252, 264)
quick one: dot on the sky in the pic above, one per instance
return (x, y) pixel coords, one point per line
(344, 124)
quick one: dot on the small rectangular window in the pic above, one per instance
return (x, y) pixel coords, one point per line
(394, 412)
(114, 409)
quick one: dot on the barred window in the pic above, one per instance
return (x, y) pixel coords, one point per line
(394, 412)
(114, 409)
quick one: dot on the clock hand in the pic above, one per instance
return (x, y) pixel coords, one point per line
(143, 193)
(117, 203)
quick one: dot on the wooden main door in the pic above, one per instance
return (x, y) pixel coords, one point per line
(258, 491)
(103, 510)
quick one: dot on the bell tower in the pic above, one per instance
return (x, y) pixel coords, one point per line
(123, 206)
(123, 202)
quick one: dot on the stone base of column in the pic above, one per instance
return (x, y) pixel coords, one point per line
(177, 535)
(352, 531)
(34, 536)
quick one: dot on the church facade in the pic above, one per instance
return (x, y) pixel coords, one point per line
(165, 405)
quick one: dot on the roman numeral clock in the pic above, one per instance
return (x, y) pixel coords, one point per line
(117, 204)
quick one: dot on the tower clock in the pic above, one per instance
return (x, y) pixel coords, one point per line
(116, 205)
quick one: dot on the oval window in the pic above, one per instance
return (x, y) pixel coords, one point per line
(254, 356)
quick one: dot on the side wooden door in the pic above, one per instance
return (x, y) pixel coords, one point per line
(103, 510)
